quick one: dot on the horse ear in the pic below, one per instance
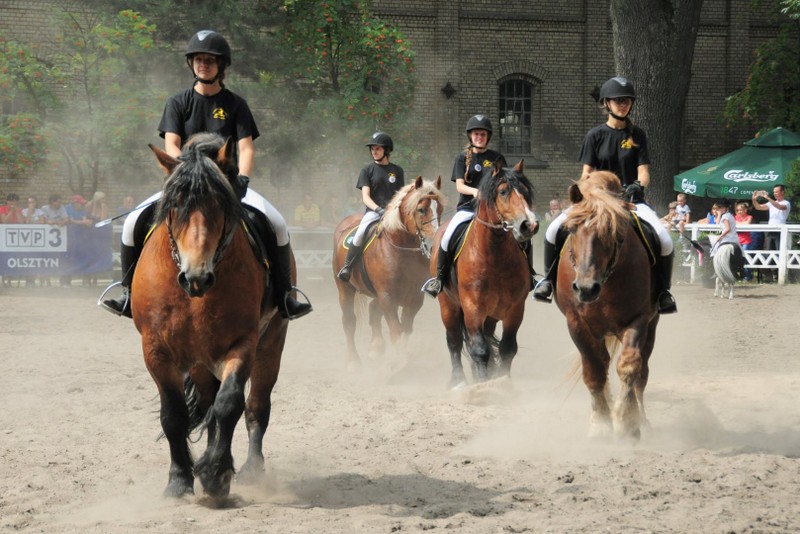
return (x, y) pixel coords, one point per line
(165, 161)
(520, 167)
(418, 182)
(574, 193)
(226, 153)
(438, 182)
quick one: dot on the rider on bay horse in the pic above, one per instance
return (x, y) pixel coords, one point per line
(208, 106)
(620, 147)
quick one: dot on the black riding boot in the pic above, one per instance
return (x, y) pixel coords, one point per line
(666, 302)
(543, 291)
(352, 253)
(531, 270)
(289, 306)
(433, 286)
(122, 305)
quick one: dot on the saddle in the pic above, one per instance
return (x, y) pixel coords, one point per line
(373, 231)
(648, 236)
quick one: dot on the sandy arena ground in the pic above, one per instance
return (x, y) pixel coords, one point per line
(388, 449)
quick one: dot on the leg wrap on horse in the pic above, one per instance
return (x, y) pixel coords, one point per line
(128, 256)
(443, 264)
(666, 302)
(352, 254)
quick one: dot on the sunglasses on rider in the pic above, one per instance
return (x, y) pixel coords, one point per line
(622, 100)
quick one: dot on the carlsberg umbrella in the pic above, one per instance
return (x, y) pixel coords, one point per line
(761, 163)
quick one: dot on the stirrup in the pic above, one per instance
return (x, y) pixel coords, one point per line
(666, 303)
(432, 287)
(104, 303)
(542, 286)
(344, 273)
(284, 310)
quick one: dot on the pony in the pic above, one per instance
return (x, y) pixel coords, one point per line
(394, 264)
(725, 270)
(608, 296)
(207, 318)
(492, 277)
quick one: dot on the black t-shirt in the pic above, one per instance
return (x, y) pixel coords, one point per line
(224, 113)
(383, 181)
(479, 165)
(608, 149)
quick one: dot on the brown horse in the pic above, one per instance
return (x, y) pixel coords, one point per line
(492, 277)
(395, 264)
(608, 296)
(207, 320)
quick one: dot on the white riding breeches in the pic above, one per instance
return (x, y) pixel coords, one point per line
(642, 210)
(366, 220)
(251, 199)
(460, 217)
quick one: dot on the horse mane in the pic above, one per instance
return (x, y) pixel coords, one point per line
(598, 205)
(198, 183)
(393, 218)
(516, 179)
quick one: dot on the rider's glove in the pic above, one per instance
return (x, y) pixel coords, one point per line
(635, 192)
(240, 185)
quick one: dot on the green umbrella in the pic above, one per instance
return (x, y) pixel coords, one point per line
(760, 164)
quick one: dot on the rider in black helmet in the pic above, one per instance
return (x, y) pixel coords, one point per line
(471, 165)
(379, 180)
(618, 146)
(209, 106)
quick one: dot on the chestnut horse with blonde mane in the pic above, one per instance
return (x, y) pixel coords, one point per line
(208, 320)
(492, 277)
(606, 291)
(395, 264)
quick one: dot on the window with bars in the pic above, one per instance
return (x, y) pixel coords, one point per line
(516, 117)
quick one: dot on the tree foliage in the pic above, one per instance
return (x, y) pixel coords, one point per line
(771, 95)
(653, 46)
(77, 91)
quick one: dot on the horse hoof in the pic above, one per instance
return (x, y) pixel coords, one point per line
(178, 488)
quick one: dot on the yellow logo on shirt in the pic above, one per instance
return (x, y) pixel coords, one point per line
(219, 113)
(487, 163)
(627, 144)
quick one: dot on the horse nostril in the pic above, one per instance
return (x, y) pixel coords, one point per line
(182, 280)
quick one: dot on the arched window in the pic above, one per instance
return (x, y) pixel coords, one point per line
(516, 116)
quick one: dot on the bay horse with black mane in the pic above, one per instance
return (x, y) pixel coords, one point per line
(395, 263)
(606, 291)
(491, 277)
(207, 317)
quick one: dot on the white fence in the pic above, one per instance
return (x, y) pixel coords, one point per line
(783, 259)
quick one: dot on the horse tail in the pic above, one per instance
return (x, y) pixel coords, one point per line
(723, 268)
(198, 419)
(491, 340)
(196, 414)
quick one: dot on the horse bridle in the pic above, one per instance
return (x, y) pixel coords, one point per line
(221, 246)
(423, 248)
(503, 224)
(611, 264)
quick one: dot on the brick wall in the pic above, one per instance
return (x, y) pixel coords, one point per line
(564, 45)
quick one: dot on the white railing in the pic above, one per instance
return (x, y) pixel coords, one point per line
(782, 259)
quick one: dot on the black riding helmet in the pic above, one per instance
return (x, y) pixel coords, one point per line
(479, 122)
(382, 139)
(617, 87)
(209, 42)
